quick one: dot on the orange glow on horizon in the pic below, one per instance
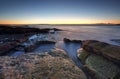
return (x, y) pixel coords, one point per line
(59, 22)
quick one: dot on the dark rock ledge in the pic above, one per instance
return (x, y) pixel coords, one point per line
(75, 41)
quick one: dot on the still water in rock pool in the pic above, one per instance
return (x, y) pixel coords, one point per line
(41, 48)
(44, 48)
(71, 49)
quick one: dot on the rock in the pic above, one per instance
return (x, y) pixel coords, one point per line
(97, 66)
(6, 29)
(40, 66)
(66, 40)
(111, 52)
(30, 48)
(7, 47)
(46, 42)
(57, 29)
(79, 51)
(82, 55)
(19, 48)
(75, 41)
(92, 72)
(58, 53)
(23, 29)
(100, 59)
(116, 40)
(117, 76)
(52, 31)
(103, 69)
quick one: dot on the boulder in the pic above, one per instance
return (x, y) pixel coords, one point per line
(100, 60)
(56, 65)
(111, 52)
(101, 68)
(97, 66)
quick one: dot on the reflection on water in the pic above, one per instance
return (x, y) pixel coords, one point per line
(71, 49)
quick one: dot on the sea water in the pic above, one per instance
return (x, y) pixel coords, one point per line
(100, 33)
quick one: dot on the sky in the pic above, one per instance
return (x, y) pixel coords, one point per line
(59, 11)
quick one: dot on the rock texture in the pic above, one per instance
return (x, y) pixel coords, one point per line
(108, 51)
(6, 47)
(101, 60)
(53, 65)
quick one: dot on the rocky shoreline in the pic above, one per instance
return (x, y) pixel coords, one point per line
(13, 37)
(56, 65)
(100, 60)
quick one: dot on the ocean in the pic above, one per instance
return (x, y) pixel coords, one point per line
(101, 33)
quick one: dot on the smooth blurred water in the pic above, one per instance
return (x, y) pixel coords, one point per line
(44, 48)
(71, 49)
(101, 33)
(17, 53)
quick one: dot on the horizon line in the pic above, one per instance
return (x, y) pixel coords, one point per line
(63, 24)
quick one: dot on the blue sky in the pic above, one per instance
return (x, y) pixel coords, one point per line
(59, 11)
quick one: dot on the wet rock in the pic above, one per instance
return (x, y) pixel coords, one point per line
(52, 31)
(75, 41)
(116, 40)
(66, 40)
(40, 66)
(82, 55)
(30, 48)
(46, 42)
(55, 29)
(19, 48)
(8, 46)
